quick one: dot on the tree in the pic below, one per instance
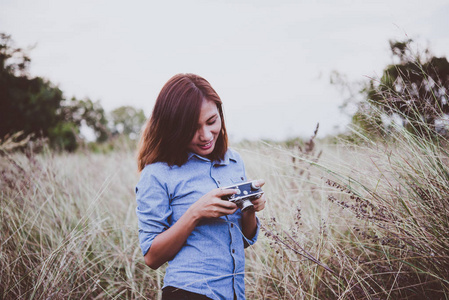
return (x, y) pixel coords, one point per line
(28, 105)
(86, 112)
(413, 90)
(127, 120)
(37, 107)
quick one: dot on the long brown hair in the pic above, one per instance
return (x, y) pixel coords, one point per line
(174, 121)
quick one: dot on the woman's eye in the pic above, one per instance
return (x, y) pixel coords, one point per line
(212, 122)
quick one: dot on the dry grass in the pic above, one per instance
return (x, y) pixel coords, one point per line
(342, 222)
(68, 228)
(376, 215)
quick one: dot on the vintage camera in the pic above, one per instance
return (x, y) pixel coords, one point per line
(247, 191)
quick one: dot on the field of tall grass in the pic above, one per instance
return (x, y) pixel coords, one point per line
(343, 221)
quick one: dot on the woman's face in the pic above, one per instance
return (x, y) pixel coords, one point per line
(209, 127)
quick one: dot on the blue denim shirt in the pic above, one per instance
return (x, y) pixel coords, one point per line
(212, 260)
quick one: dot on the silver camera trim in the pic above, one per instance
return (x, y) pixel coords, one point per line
(251, 196)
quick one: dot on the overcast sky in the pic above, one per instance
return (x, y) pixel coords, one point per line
(270, 61)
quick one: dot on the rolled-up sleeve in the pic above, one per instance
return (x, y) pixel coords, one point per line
(153, 207)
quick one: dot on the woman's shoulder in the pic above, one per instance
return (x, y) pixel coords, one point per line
(157, 169)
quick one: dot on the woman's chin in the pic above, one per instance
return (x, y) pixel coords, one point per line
(204, 151)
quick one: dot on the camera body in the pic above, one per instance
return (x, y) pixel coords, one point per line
(247, 191)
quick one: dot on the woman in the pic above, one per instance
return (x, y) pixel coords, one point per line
(184, 161)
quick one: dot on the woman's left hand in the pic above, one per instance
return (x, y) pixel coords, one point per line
(259, 203)
(249, 220)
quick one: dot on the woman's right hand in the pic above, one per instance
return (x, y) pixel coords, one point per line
(167, 244)
(212, 206)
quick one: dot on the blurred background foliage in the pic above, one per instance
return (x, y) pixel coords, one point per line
(38, 109)
(127, 120)
(412, 93)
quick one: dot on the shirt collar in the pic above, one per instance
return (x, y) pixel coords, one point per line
(229, 155)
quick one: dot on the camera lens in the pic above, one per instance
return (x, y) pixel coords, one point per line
(247, 205)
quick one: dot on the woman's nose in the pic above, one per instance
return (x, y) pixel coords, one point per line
(205, 135)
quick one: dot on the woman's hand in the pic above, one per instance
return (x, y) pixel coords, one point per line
(249, 223)
(259, 203)
(212, 206)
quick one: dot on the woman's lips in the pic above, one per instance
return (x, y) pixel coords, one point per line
(206, 146)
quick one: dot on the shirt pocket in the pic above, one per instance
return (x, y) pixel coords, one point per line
(233, 181)
(237, 180)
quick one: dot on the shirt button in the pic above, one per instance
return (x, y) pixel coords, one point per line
(218, 182)
(232, 225)
(233, 250)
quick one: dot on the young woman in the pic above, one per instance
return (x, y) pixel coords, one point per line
(185, 161)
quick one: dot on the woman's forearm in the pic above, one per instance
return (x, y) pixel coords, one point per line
(249, 224)
(168, 243)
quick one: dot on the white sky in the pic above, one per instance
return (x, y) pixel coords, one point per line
(269, 61)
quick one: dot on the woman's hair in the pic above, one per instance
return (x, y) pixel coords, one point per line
(174, 122)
